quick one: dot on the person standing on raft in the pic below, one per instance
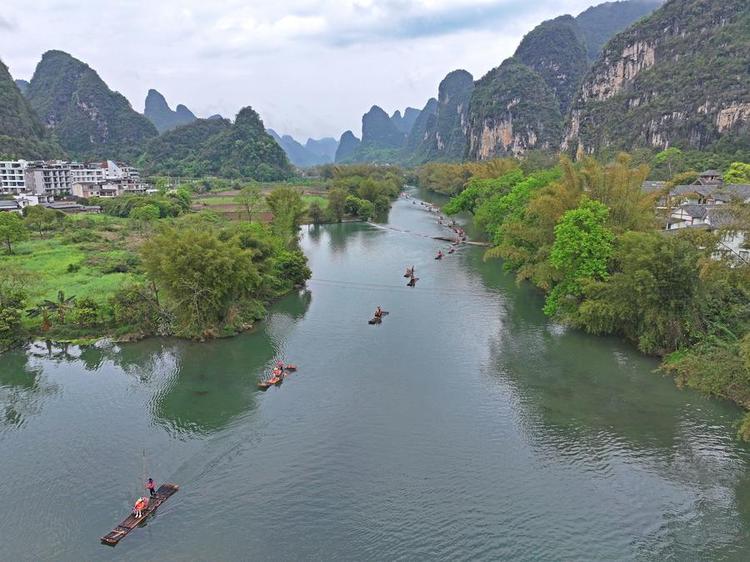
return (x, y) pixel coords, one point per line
(378, 312)
(151, 487)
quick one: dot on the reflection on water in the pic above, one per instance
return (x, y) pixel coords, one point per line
(211, 385)
(465, 427)
(22, 389)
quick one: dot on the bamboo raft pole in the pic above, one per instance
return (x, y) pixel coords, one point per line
(164, 492)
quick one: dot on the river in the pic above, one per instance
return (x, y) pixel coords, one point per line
(465, 426)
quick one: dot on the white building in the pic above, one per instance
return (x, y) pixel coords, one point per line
(48, 178)
(12, 180)
(57, 178)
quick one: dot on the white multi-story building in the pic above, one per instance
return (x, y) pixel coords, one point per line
(87, 173)
(12, 180)
(57, 178)
(48, 178)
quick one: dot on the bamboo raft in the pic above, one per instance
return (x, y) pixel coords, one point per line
(164, 492)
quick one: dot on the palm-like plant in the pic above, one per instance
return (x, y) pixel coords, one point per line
(42, 310)
(61, 307)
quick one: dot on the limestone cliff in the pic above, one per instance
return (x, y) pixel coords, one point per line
(680, 77)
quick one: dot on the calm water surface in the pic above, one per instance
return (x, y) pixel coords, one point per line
(465, 426)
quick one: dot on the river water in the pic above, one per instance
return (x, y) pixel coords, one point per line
(465, 426)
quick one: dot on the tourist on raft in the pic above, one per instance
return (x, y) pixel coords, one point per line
(378, 312)
(151, 487)
(140, 505)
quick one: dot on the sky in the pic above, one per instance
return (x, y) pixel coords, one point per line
(311, 68)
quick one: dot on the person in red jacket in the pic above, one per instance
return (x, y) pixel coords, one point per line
(151, 487)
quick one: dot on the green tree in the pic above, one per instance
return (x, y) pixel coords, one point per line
(288, 209)
(202, 274)
(12, 230)
(14, 283)
(315, 212)
(337, 203)
(86, 312)
(618, 185)
(144, 215)
(250, 198)
(651, 297)
(581, 252)
(40, 219)
(62, 306)
(738, 172)
(672, 159)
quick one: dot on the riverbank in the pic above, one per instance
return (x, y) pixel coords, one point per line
(401, 453)
(587, 236)
(117, 274)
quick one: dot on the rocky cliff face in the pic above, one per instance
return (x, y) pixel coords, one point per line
(421, 132)
(89, 120)
(22, 135)
(680, 77)
(446, 138)
(602, 22)
(512, 110)
(556, 49)
(161, 115)
(348, 145)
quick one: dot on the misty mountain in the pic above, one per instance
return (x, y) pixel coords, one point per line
(157, 111)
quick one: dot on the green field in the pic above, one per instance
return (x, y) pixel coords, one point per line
(88, 260)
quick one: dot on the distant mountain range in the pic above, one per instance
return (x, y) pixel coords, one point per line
(68, 110)
(312, 153)
(218, 147)
(161, 115)
(620, 75)
(517, 106)
(87, 119)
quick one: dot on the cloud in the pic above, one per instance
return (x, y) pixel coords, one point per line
(6, 25)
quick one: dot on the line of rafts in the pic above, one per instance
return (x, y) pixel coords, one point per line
(279, 373)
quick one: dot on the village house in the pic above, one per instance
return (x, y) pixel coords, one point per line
(705, 204)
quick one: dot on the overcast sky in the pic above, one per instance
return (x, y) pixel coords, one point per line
(309, 67)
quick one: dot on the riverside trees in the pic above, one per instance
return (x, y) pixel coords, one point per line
(586, 235)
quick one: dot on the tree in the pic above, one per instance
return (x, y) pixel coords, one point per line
(673, 158)
(86, 312)
(337, 203)
(202, 274)
(316, 212)
(650, 298)
(738, 172)
(40, 218)
(14, 283)
(581, 252)
(12, 230)
(61, 306)
(250, 198)
(288, 209)
(619, 186)
(145, 214)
